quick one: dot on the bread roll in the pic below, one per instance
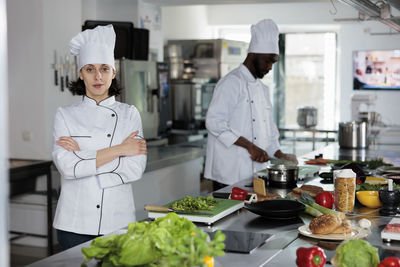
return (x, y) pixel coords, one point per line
(325, 224)
(344, 228)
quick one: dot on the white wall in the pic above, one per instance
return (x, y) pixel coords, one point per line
(201, 22)
(186, 22)
(35, 30)
(4, 248)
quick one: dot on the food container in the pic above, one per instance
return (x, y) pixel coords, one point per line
(307, 116)
(353, 134)
(283, 175)
(345, 189)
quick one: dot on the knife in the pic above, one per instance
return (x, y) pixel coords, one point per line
(55, 67)
(166, 209)
(62, 74)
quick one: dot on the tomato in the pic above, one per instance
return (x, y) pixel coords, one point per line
(324, 199)
(390, 262)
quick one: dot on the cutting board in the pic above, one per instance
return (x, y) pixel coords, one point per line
(223, 208)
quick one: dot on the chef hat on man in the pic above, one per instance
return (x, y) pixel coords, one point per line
(95, 46)
(264, 38)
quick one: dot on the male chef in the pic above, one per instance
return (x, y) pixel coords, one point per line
(242, 135)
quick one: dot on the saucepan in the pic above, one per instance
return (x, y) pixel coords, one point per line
(276, 208)
(282, 175)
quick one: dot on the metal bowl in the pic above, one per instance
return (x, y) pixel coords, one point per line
(282, 174)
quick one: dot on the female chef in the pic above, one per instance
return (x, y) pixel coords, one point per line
(98, 146)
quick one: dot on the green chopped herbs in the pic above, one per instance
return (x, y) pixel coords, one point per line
(374, 187)
(371, 164)
(167, 241)
(195, 203)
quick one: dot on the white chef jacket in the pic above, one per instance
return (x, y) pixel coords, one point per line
(96, 201)
(240, 106)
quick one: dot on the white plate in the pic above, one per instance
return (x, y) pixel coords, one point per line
(357, 232)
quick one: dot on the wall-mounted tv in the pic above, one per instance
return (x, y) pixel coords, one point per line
(376, 70)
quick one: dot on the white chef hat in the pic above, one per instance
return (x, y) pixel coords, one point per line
(94, 46)
(264, 38)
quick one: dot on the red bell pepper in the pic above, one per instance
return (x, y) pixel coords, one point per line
(238, 193)
(390, 262)
(237, 196)
(310, 257)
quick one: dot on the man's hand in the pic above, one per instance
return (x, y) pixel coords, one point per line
(280, 155)
(68, 143)
(257, 154)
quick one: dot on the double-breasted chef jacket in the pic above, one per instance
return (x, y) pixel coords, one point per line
(96, 201)
(240, 106)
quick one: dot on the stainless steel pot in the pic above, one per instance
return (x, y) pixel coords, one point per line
(282, 175)
(307, 116)
(353, 134)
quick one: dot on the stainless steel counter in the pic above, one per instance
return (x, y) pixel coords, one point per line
(280, 249)
(163, 156)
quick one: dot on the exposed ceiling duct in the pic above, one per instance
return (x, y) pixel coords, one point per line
(379, 11)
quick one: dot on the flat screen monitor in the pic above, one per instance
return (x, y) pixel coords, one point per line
(376, 70)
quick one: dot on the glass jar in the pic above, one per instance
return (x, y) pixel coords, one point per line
(345, 190)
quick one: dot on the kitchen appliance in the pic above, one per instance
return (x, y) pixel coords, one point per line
(164, 97)
(139, 80)
(277, 208)
(362, 103)
(212, 58)
(282, 175)
(187, 105)
(196, 66)
(353, 134)
(307, 116)
(223, 208)
(373, 118)
(130, 43)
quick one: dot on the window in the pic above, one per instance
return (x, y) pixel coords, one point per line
(310, 71)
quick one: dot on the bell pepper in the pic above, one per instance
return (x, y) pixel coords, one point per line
(390, 262)
(310, 257)
(237, 196)
(238, 193)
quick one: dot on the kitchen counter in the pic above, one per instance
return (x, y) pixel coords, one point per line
(280, 249)
(163, 156)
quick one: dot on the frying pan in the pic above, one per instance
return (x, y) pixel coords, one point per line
(276, 208)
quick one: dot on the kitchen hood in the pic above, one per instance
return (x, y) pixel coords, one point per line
(379, 11)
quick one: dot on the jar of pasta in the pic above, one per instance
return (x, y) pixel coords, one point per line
(345, 190)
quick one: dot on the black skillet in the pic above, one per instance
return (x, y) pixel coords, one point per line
(276, 208)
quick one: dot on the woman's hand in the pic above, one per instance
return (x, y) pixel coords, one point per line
(133, 145)
(68, 143)
(257, 154)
